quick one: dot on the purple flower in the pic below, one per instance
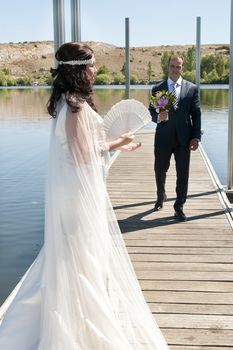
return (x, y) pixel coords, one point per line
(162, 101)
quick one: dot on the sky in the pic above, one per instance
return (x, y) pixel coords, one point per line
(152, 22)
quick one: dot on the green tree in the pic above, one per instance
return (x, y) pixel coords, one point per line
(11, 81)
(220, 65)
(190, 59)
(123, 69)
(208, 63)
(103, 79)
(149, 71)
(134, 79)
(6, 71)
(24, 81)
(214, 68)
(118, 79)
(49, 79)
(204, 78)
(164, 62)
(103, 70)
(3, 78)
(213, 76)
(225, 78)
(189, 75)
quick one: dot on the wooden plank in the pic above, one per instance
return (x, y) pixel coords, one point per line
(191, 309)
(188, 297)
(184, 269)
(198, 286)
(181, 266)
(188, 347)
(199, 337)
(173, 243)
(181, 236)
(185, 321)
(185, 276)
(208, 258)
(179, 250)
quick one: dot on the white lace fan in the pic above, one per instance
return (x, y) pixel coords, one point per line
(125, 116)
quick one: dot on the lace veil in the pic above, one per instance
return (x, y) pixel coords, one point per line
(81, 293)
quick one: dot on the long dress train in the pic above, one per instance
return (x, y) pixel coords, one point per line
(81, 293)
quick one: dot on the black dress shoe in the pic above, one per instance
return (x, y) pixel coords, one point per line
(180, 215)
(159, 204)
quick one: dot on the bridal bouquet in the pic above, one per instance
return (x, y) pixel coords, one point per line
(163, 100)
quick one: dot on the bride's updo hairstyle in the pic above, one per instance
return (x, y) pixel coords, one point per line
(71, 78)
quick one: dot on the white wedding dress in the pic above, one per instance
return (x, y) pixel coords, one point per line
(81, 293)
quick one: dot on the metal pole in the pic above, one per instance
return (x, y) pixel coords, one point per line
(58, 24)
(127, 61)
(198, 52)
(230, 116)
(75, 20)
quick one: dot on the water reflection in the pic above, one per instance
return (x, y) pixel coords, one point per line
(105, 99)
(31, 103)
(23, 103)
(214, 99)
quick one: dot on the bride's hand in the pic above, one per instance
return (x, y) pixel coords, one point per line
(132, 146)
(121, 141)
(125, 139)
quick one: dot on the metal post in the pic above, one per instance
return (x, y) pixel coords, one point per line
(127, 61)
(75, 20)
(230, 116)
(58, 24)
(198, 52)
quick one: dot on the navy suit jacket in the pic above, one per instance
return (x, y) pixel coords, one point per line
(185, 119)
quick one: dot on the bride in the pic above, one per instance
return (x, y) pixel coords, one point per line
(81, 293)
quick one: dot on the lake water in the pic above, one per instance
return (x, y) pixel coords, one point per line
(24, 136)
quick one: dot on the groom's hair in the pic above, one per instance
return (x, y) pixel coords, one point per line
(175, 56)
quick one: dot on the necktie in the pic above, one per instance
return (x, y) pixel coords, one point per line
(174, 93)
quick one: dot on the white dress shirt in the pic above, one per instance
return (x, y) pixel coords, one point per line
(177, 84)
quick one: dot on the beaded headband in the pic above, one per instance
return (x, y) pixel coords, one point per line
(78, 62)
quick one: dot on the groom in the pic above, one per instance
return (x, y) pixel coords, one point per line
(178, 131)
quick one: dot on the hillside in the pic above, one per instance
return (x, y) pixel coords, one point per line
(34, 59)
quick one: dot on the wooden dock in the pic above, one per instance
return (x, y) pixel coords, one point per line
(185, 269)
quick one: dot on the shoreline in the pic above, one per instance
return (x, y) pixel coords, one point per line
(116, 87)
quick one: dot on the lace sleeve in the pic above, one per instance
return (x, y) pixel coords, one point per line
(78, 135)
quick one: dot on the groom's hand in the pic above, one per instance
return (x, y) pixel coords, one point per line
(163, 116)
(193, 144)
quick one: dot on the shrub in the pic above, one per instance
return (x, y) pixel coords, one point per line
(103, 70)
(213, 76)
(49, 79)
(103, 79)
(25, 81)
(190, 59)
(3, 78)
(189, 75)
(134, 79)
(149, 71)
(11, 81)
(164, 62)
(118, 79)
(6, 71)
